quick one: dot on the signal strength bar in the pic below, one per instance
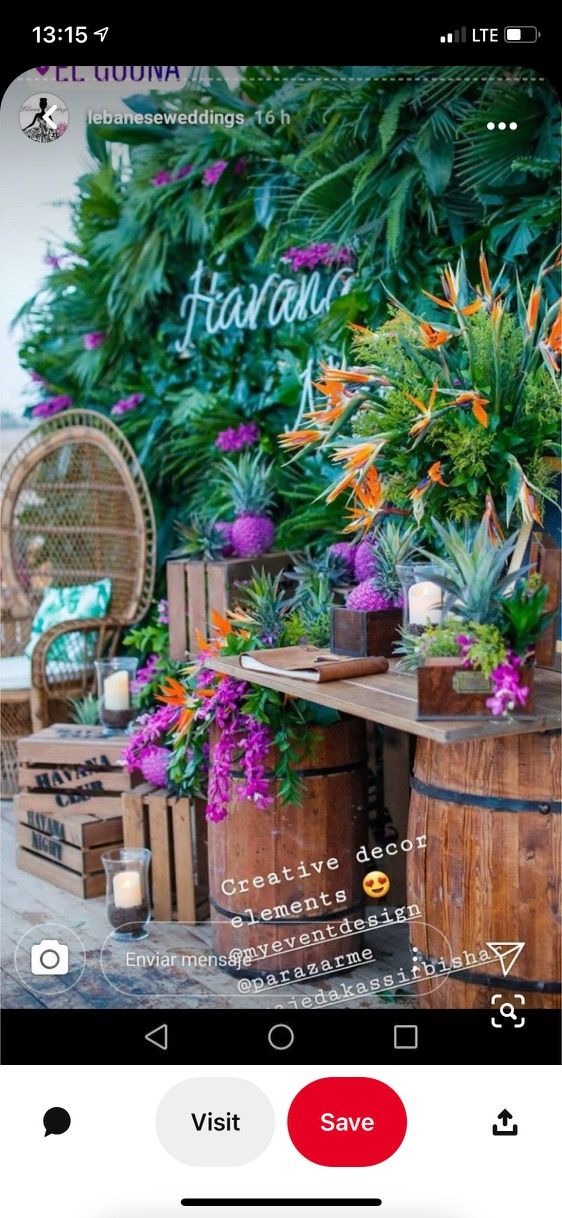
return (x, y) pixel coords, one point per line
(456, 36)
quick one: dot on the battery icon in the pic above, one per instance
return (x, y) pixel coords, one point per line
(521, 33)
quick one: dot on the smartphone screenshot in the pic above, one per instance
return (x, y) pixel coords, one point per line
(280, 624)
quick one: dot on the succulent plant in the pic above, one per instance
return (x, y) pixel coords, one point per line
(85, 710)
(472, 572)
(263, 605)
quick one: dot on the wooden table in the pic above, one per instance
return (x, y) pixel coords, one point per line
(391, 699)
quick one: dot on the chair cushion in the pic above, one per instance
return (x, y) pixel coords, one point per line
(15, 673)
(66, 604)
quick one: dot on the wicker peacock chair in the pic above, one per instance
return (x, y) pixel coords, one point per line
(75, 509)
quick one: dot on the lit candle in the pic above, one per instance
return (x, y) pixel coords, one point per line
(127, 890)
(424, 603)
(116, 691)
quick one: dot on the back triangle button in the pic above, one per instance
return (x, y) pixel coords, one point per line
(159, 1036)
(507, 954)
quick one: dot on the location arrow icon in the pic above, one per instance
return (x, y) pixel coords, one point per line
(159, 1036)
(507, 954)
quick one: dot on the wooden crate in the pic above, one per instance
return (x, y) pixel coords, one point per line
(358, 632)
(68, 810)
(174, 830)
(446, 689)
(196, 588)
(65, 848)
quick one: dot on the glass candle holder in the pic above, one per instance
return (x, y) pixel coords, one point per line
(127, 892)
(422, 597)
(114, 679)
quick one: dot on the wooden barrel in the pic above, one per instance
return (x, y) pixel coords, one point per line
(315, 843)
(490, 810)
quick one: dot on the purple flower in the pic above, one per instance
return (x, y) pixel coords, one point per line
(234, 439)
(50, 406)
(508, 691)
(154, 765)
(52, 261)
(144, 675)
(162, 178)
(183, 172)
(37, 378)
(163, 613)
(213, 172)
(323, 253)
(149, 730)
(126, 404)
(93, 340)
(241, 165)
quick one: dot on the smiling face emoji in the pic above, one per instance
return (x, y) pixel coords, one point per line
(376, 884)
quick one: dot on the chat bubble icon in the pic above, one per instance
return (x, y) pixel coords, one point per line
(56, 1120)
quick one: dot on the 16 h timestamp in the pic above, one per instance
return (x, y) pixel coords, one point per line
(266, 118)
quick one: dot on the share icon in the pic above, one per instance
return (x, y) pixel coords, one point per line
(507, 954)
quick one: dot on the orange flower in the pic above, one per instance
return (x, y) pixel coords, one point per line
(495, 531)
(173, 693)
(340, 486)
(432, 338)
(325, 416)
(434, 473)
(451, 292)
(356, 454)
(369, 493)
(345, 374)
(529, 506)
(554, 339)
(352, 325)
(485, 275)
(477, 403)
(426, 410)
(533, 309)
(220, 623)
(334, 392)
(298, 438)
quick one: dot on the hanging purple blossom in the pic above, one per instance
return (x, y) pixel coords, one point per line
(307, 257)
(148, 731)
(93, 340)
(257, 740)
(126, 404)
(183, 172)
(162, 178)
(234, 439)
(50, 406)
(163, 612)
(213, 172)
(509, 692)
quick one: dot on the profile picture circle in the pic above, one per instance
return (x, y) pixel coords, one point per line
(43, 118)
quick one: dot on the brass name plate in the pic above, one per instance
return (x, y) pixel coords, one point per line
(471, 683)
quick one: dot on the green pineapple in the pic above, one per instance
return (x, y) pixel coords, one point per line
(473, 572)
(263, 605)
(248, 482)
(85, 710)
(202, 538)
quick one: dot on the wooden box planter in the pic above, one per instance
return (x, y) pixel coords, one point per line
(446, 690)
(355, 632)
(196, 588)
(68, 810)
(175, 831)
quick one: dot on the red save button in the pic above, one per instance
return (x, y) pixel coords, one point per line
(347, 1122)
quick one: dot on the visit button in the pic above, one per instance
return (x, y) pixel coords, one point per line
(347, 1122)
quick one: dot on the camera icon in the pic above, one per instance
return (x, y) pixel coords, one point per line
(49, 958)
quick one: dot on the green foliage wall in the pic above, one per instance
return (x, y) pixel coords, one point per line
(396, 163)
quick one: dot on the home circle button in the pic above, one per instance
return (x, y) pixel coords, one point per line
(281, 1036)
(347, 1122)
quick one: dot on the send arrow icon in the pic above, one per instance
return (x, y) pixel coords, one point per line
(507, 954)
(159, 1036)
